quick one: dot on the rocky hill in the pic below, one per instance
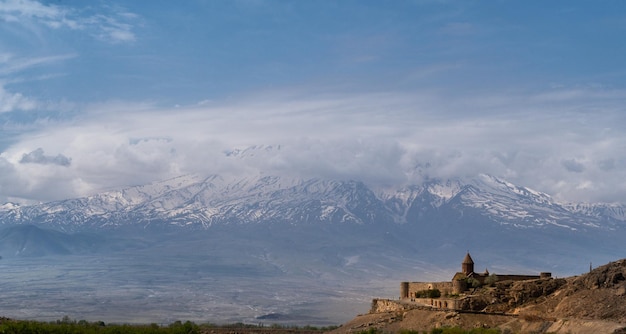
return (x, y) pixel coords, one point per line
(591, 303)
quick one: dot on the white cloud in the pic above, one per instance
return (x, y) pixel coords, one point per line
(114, 29)
(381, 138)
(114, 26)
(14, 101)
(30, 8)
(572, 165)
(10, 184)
(10, 64)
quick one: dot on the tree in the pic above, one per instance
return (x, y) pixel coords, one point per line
(491, 280)
(472, 282)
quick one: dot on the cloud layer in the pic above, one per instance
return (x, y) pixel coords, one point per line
(102, 96)
(542, 141)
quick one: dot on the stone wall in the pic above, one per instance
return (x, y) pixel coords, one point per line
(408, 289)
(412, 287)
(386, 305)
(389, 305)
(440, 303)
(516, 277)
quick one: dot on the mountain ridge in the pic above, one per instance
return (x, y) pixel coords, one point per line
(202, 201)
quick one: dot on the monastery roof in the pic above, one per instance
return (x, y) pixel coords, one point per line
(474, 274)
(459, 277)
(468, 259)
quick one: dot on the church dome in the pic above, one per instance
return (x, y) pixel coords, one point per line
(468, 259)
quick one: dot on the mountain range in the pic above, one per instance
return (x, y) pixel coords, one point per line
(193, 201)
(325, 246)
(436, 217)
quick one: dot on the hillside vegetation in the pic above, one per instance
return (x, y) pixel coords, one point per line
(68, 326)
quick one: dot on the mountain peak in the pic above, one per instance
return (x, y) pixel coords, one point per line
(252, 150)
(201, 201)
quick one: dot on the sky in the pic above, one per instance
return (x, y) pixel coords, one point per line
(100, 95)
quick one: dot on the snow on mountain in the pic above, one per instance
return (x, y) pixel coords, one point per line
(509, 204)
(616, 211)
(499, 201)
(262, 150)
(200, 202)
(8, 206)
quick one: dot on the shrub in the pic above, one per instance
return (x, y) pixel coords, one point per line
(457, 330)
(472, 282)
(491, 280)
(430, 293)
(408, 331)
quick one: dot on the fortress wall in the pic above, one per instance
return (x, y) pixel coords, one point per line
(516, 277)
(408, 289)
(389, 305)
(386, 305)
(440, 303)
(413, 287)
(404, 290)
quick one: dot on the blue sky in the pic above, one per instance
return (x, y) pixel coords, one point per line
(96, 95)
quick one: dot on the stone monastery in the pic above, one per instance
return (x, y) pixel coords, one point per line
(430, 292)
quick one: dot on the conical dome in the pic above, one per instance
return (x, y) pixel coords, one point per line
(467, 267)
(468, 259)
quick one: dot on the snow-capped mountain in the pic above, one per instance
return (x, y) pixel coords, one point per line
(200, 202)
(320, 236)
